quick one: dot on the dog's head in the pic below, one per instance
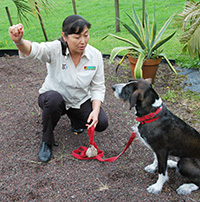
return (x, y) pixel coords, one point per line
(138, 91)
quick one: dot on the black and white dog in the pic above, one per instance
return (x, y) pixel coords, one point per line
(164, 133)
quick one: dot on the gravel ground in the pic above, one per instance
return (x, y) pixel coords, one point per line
(64, 178)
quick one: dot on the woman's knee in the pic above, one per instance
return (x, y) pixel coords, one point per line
(50, 100)
(102, 125)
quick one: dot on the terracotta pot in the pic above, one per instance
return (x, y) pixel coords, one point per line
(149, 68)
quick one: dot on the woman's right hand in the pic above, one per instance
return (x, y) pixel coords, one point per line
(16, 33)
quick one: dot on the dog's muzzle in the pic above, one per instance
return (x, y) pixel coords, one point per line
(117, 88)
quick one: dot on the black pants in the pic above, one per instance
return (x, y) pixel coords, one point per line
(53, 107)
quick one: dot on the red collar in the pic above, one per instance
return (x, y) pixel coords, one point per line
(149, 117)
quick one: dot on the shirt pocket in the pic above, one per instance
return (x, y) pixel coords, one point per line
(85, 76)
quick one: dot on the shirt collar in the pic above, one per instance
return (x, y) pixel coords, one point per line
(85, 53)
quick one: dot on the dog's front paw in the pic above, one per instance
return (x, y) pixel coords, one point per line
(150, 168)
(154, 189)
(186, 189)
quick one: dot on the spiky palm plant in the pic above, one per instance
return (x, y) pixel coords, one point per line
(148, 43)
(191, 28)
(25, 7)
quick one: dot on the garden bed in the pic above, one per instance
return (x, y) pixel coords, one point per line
(64, 178)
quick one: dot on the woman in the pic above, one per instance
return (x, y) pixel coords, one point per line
(74, 84)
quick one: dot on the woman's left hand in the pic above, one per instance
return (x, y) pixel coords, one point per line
(92, 119)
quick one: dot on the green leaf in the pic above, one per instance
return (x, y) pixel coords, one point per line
(153, 29)
(27, 7)
(117, 50)
(121, 62)
(137, 28)
(138, 67)
(147, 28)
(122, 39)
(139, 23)
(168, 62)
(160, 43)
(135, 35)
(163, 29)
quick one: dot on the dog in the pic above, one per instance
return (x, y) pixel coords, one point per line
(164, 133)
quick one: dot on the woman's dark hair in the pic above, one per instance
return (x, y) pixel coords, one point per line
(73, 24)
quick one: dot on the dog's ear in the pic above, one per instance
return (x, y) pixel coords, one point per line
(136, 95)
(134, 98)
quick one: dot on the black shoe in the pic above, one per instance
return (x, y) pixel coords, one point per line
(45, 152)
(77, 131)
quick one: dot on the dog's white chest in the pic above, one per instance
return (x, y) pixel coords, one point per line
(142, 139)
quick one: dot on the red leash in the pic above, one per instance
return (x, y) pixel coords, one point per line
(80, 153)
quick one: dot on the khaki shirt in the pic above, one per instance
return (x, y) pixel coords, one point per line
(75, 84)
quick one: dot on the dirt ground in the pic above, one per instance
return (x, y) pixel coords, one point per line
(64, 178)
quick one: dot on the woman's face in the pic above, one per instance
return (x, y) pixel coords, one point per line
(77, 42)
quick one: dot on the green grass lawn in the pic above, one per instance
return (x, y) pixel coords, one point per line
(101, 14)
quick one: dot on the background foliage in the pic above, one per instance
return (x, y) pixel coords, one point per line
(101, 13)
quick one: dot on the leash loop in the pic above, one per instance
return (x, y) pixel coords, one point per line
(80, 153)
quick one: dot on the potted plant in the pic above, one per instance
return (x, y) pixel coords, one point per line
(147, 46)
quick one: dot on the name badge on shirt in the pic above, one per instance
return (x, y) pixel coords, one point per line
(64, 66)
(89, 67)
